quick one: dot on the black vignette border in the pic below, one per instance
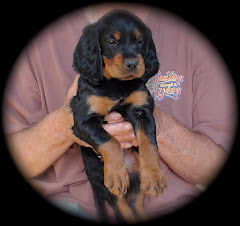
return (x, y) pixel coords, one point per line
(217, 22)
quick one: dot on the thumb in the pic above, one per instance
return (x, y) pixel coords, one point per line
(73, 89)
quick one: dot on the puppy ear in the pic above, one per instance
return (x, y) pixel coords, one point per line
(87, 60)
(150, 60)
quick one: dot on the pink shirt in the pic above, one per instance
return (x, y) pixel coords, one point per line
(192, 85)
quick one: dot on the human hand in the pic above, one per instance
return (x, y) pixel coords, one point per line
(120, 129)
(65, 120)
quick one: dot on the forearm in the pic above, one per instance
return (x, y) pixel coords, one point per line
(36, 148)
(193, 156)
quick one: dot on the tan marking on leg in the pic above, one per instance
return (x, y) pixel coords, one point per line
(116, 177)
(152, 179)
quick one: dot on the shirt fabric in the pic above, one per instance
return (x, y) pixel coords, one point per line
(192, 85)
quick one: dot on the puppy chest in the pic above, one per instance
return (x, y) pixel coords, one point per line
(102, 105)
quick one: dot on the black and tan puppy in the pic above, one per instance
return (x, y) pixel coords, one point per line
(115, 58)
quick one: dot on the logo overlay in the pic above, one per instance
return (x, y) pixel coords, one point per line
(168, 85)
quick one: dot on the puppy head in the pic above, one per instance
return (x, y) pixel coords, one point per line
(118, 46)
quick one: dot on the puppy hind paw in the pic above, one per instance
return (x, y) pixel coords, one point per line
(116, 179)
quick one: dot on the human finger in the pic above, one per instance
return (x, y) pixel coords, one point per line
(119, 128)
(74, 87)
(113, 117)
(130, 137)
(128, 144)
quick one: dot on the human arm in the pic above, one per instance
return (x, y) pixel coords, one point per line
(193, 156)
(35, 148)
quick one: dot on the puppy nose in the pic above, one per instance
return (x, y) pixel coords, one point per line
(131, 65)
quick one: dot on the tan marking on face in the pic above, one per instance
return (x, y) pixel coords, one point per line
(114, 68)
(100, 105)
(137, 33)
(137, 98)
(117, 35)
(141, 67)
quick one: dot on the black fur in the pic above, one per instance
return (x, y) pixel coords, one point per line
(88, 62)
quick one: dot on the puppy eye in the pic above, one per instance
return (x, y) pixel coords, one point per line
(112, 41)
